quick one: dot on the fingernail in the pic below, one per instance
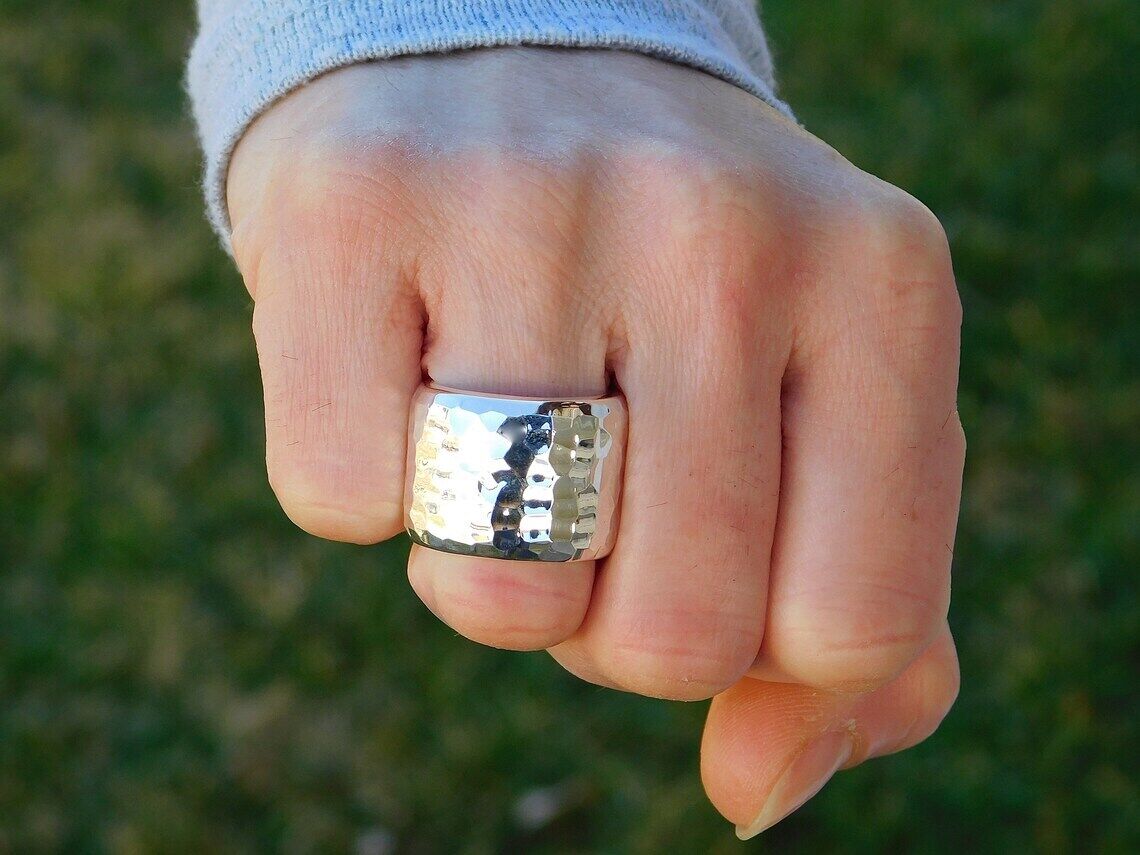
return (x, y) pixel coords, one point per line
(804, 777)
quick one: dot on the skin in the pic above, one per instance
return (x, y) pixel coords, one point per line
(784, 328)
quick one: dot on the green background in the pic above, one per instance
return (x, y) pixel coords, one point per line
(182, 670)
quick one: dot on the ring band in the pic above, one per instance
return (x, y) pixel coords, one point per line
(526, 479)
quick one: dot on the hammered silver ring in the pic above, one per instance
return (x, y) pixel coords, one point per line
(525, 479)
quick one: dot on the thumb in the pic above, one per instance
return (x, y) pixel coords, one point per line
(769, 747)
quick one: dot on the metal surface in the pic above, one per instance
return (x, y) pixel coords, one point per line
(517, 478)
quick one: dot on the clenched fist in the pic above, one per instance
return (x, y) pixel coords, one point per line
(783, 326)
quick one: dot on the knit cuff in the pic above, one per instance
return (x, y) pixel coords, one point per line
(249, 53)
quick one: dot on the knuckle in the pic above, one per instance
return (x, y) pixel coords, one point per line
(506, 611)
(895, 291)
(510, 632)
(321, 507)
(868, 662)
(337, 186)
(326, 193)
(700, 216)
(694, 200)
(685, 656)
(860, 635)
(900, 258)
(913, 224)
(943, 693)
(329, 206)
(936, 691)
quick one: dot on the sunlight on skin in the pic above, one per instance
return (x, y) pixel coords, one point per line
(783, 326)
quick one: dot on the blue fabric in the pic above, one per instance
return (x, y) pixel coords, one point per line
(249, 53)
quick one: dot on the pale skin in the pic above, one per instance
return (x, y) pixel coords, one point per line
(784, 328)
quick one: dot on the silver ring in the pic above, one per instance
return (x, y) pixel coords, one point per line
(526, 479)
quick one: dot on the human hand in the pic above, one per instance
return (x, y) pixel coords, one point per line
(784, 328)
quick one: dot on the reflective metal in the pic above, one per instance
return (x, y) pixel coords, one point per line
(518, 478)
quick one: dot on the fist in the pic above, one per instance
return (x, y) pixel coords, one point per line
(783, 326)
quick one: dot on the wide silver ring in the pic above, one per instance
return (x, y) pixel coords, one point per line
(526, 479)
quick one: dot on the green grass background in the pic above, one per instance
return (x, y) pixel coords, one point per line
(182, 670)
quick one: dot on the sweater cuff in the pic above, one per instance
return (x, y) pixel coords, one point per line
(249, 53)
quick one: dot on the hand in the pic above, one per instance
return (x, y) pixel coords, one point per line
(784, 328)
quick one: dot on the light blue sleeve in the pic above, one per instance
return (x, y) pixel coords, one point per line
(249, 53)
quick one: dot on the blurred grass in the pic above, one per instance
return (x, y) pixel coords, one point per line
(182, 670)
